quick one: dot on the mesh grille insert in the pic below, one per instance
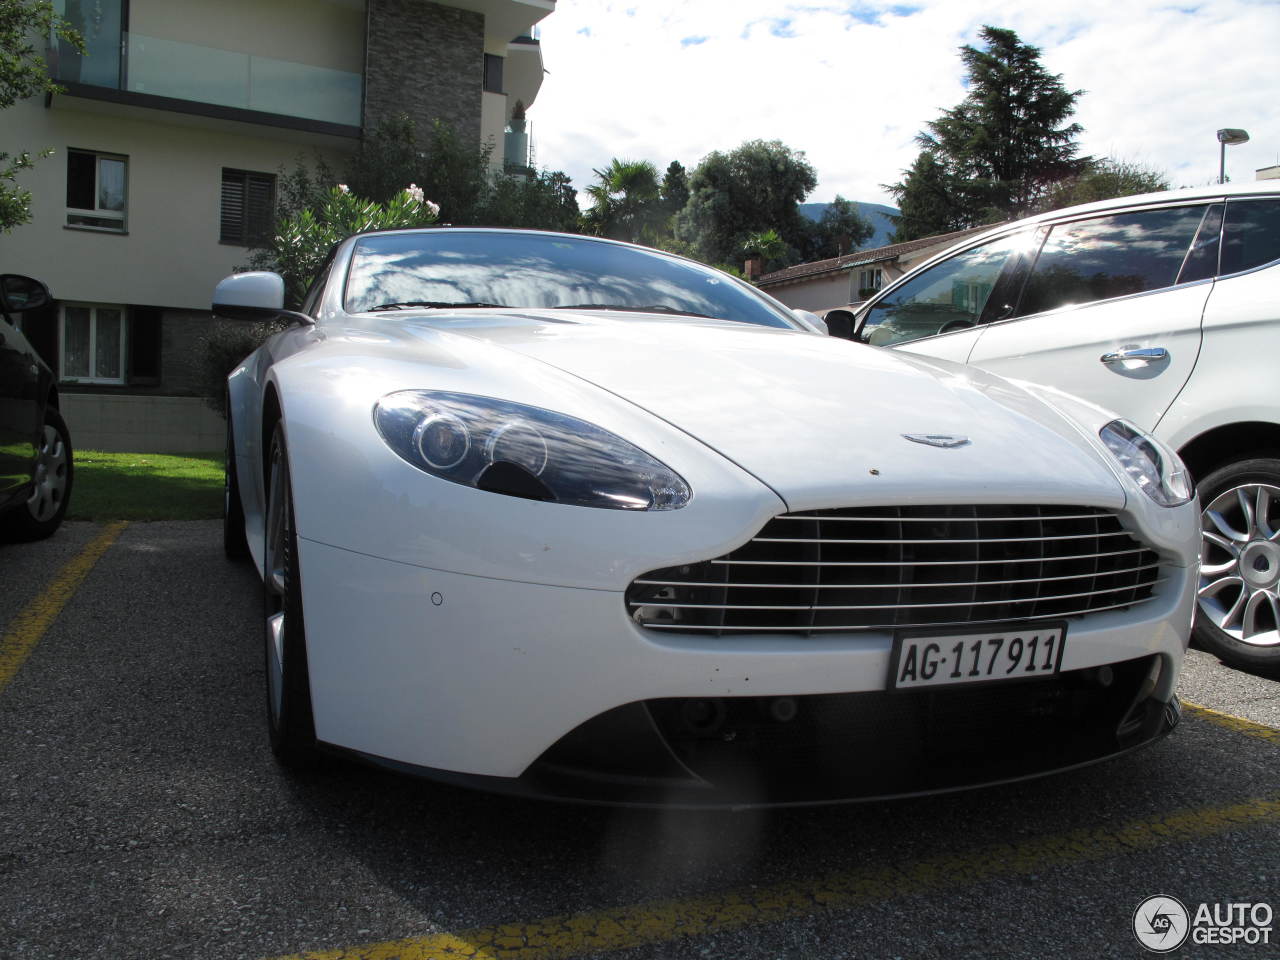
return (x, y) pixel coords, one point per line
(884, 568)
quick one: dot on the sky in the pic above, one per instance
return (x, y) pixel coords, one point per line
(852, 84)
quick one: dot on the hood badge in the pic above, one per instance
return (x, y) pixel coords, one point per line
(947, 440)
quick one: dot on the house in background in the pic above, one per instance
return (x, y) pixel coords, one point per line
(167, 142)
(848, 280)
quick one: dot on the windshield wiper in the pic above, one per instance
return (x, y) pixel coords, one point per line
(431, 304)
(651, 308)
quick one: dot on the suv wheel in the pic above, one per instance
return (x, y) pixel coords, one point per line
(1239, 597)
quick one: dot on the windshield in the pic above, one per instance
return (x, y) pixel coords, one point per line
(455, 268)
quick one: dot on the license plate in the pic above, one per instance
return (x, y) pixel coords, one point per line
(945, 658)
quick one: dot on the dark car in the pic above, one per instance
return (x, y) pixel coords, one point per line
(35, 447)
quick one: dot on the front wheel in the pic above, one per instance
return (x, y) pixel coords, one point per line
(1239, 597)
(289, 716)
(51, 480)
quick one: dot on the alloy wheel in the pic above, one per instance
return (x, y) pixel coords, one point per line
(1240, 564)
(50, 480)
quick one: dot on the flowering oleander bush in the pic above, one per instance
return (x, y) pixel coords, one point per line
(303, 239)
(297, 249)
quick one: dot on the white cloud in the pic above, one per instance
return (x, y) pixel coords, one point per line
(851, 84)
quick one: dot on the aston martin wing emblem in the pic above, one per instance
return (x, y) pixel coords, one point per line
(937, 439)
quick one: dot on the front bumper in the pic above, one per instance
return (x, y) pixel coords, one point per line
(555, 691)
(840, 748)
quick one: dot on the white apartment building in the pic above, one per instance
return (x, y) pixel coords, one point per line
(168, 140)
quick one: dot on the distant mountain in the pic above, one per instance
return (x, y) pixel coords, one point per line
(877, 213)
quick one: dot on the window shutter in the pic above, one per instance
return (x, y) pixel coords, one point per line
(259, 208)
(233, 207)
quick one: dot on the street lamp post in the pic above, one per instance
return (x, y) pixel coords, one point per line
(1228, 135)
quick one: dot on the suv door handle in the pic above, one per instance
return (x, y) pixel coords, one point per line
(1145, 355)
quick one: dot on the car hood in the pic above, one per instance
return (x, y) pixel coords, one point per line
(823, 422)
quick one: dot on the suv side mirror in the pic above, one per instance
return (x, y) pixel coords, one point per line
(19, 293)
(840, 323)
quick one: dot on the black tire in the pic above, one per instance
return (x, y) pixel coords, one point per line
(234, 542)
(289, 717)
(1237, 621)
(42, 514)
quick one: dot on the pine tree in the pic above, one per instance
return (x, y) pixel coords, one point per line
(675, 188)
(928, 201)
(1006, 143)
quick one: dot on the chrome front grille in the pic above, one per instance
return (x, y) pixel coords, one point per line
(887, 568)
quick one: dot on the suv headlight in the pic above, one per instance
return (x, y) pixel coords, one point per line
(524, 451)
(1153, 466)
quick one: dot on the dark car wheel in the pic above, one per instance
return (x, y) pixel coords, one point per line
(1239, 614)
(234, 542)
(42, 514)
(289, 717)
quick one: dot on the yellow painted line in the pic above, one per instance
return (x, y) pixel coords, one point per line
(30, 624)
(555, 938)
(1249, 728)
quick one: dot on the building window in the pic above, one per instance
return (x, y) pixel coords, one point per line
(97, 190)
(492, 73)
(866, 284)
(93, 343)
(248, 207)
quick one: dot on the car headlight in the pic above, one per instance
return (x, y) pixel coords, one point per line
(1152, 465)
(524, 451)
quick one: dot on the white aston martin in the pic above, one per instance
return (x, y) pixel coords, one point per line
(568, 517)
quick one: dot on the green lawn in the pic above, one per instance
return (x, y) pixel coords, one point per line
(146, 486)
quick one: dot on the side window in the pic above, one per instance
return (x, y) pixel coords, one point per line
(1202, 261)
(949, 296)
(1252, 235)
(96, 190)
(93, 343)
(1110, 257)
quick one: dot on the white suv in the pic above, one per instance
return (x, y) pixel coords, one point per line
(1163, 307)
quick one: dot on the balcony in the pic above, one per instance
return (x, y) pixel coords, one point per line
(266, 89)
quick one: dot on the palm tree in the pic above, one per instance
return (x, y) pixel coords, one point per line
(625, 200)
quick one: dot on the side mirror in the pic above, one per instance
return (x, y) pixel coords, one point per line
(811, 321)
(840, 323)
(254, 296)
(19, 293)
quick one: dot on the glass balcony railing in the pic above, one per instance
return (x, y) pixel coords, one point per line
(188, 71)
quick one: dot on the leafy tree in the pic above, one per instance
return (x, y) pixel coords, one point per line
(456, 175)
(1008, 141)
(1102, 180)
(759, 186)
(544, 200)
(302, 240)
(22, 75)
(624, 201)
(840, 230)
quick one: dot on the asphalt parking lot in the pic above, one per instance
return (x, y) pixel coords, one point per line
(141, 816)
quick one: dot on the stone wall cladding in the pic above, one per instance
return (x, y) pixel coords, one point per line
(426, 61)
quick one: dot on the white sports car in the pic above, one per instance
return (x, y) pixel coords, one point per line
(574, 518)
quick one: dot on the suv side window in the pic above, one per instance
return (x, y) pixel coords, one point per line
(1108, 257)
(952, 295)
(1252, 234)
